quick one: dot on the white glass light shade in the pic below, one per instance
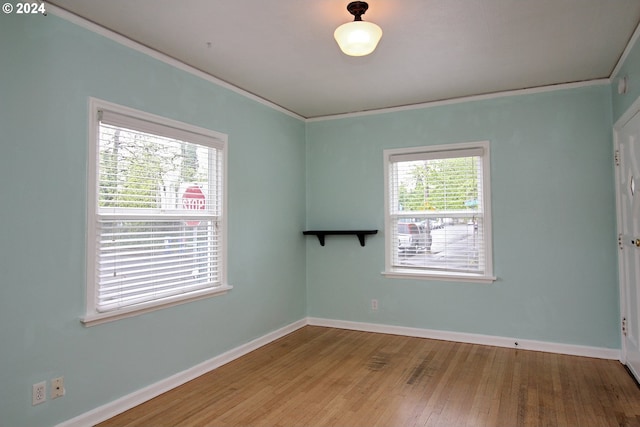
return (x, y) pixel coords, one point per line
(358, 38)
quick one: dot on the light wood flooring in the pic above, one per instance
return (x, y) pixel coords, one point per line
(330, 377)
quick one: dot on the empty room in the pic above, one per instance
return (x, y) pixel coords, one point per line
(320, 212)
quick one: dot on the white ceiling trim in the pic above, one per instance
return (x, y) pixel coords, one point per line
(625, 53)
(518, 92)
(118, 38)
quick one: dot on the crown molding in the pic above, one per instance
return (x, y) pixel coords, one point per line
(625, 53)
(483, 97)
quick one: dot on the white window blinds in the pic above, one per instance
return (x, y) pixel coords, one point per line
(158, 212)
(437, 210)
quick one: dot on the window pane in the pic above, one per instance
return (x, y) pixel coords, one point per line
(140, 261)
(437, 185)
(144, 171)
(440, 243)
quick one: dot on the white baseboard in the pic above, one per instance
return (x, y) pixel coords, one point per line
(118, 406)
(634, 373)
(524, 344)
(127, 402)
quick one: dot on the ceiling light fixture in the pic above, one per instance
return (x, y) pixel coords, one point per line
(358, 38)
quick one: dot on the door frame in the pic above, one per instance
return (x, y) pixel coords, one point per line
(617, 128)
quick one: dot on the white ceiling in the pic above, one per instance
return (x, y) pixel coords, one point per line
(284, 51)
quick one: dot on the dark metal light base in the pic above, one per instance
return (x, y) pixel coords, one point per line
(357, 9)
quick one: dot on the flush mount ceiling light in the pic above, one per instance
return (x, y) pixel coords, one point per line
(358, 38)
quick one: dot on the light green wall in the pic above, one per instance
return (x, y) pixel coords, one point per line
(553, 219)
(48, 69)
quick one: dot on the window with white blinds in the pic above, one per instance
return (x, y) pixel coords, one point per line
(437, 217)
(157, 223)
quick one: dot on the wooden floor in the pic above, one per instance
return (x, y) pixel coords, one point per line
(329, 377)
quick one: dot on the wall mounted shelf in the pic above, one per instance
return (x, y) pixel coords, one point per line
(320, 234)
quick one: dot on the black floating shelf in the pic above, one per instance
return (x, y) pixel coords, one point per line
(322, 233)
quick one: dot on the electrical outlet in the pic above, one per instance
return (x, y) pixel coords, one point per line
(374, 304)
(57, 387)
(39, 393)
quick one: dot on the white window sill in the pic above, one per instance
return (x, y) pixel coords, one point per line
(450, 277)
(96, 318)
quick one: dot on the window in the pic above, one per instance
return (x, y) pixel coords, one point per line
(437, 219)
(156, 216)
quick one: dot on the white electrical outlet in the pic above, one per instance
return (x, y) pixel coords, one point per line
(57, 387)
(374, 304)
(39, 393)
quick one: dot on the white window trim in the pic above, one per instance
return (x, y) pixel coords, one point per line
(92, 315)
(408, 273)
